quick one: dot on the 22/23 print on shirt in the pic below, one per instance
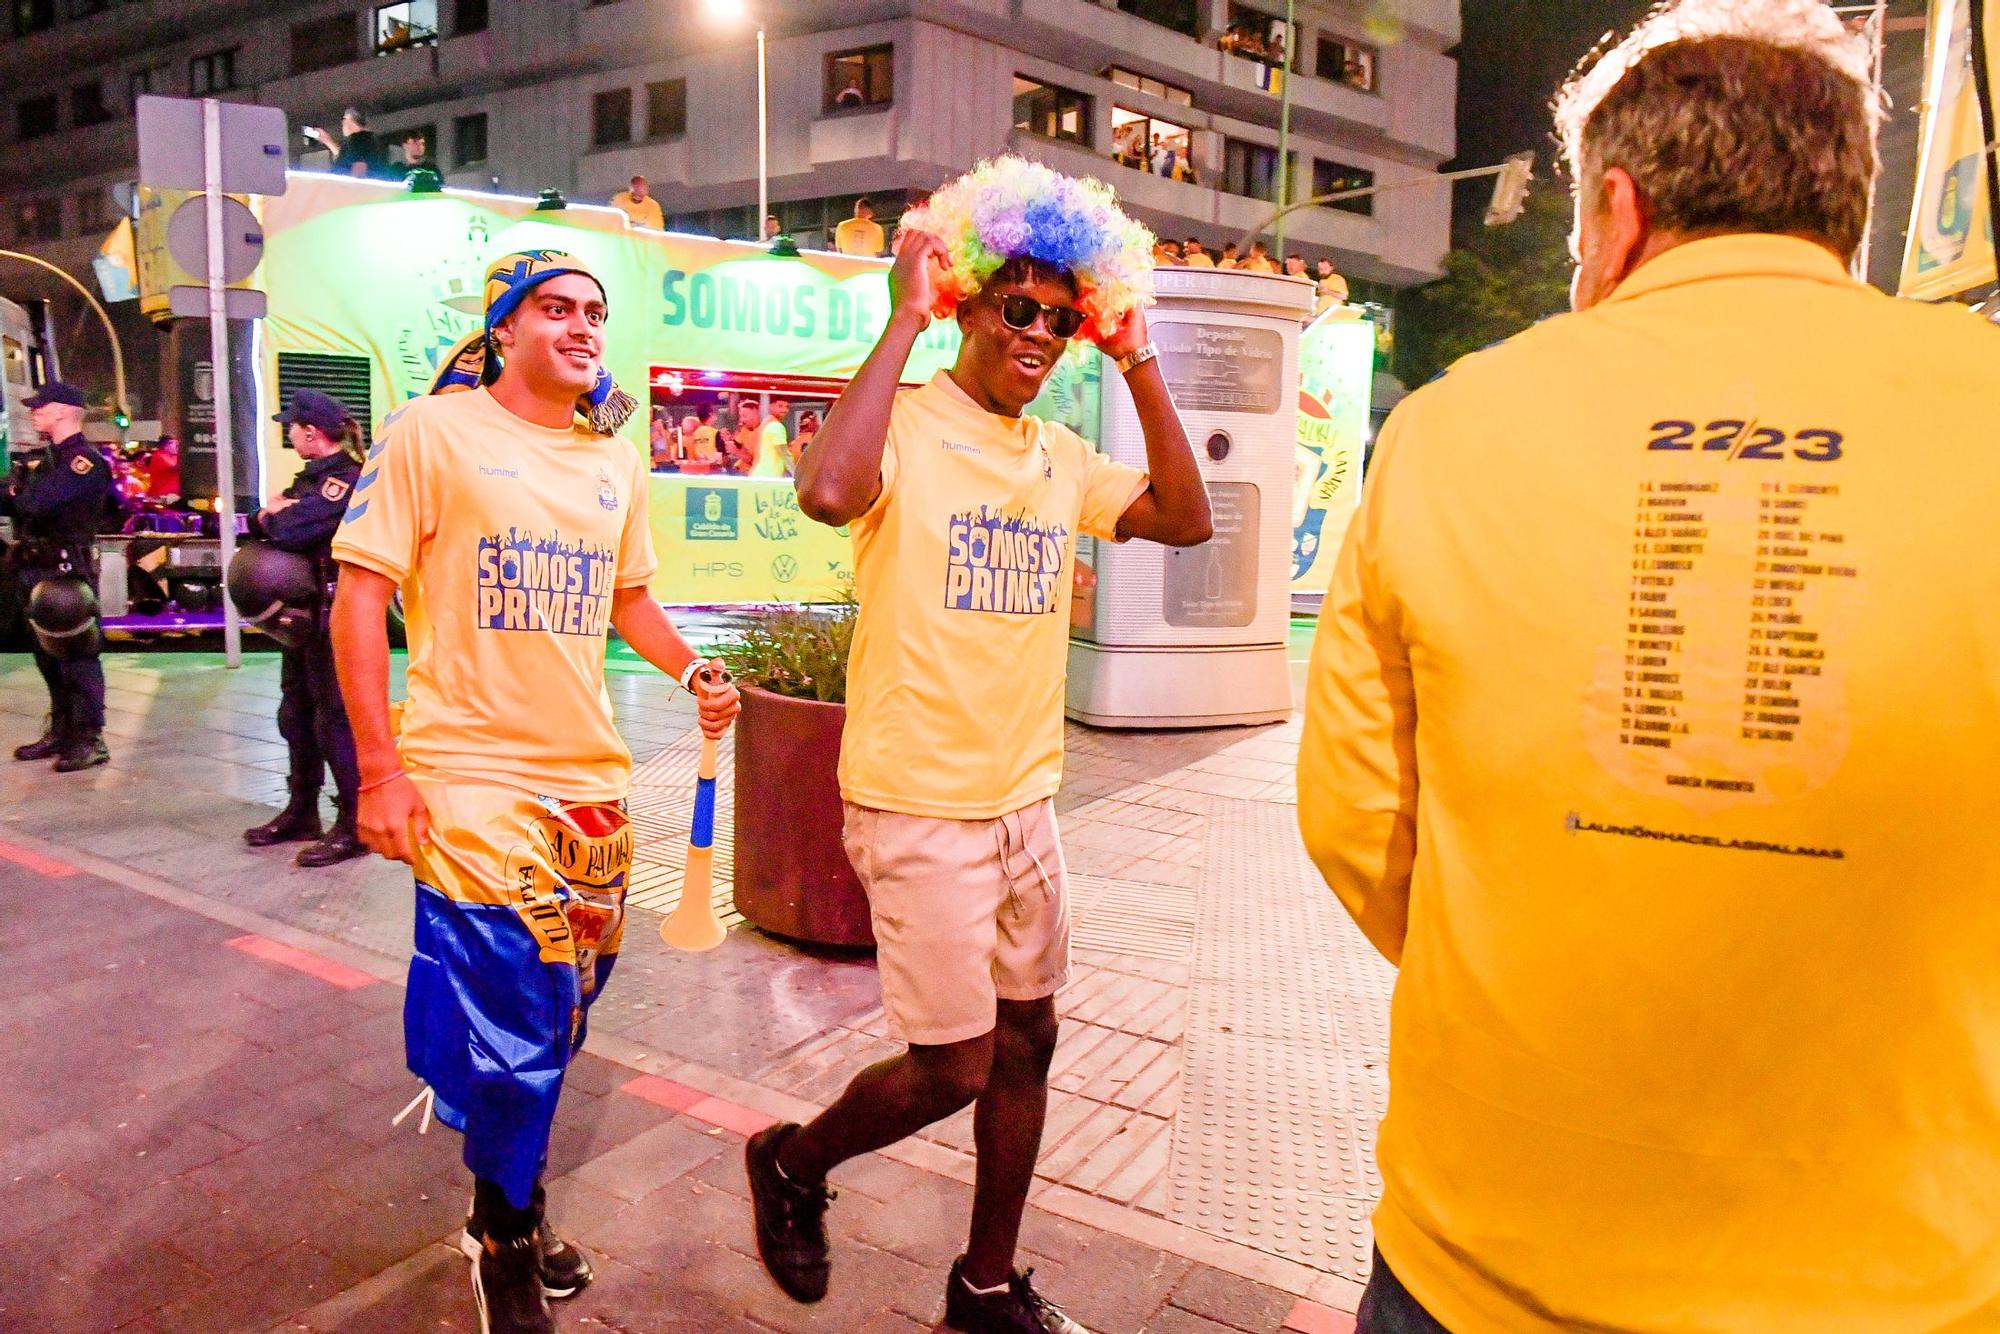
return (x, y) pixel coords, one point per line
(1745, 438)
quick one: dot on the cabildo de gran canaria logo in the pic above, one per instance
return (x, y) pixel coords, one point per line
(530, 582)
(1003, 562)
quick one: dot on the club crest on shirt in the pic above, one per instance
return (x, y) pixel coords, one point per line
(607, 494)
(332, 489)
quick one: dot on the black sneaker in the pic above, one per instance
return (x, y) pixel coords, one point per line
(84, 753)
(791, 1218)
(507, 1284)
(565, 1267)
(47, 748)
(1018, 1310)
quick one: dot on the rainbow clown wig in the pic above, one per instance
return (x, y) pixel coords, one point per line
(1008, 208)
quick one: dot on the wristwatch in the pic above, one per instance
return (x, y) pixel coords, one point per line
(1139, 356)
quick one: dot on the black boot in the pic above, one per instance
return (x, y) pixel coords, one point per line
(340, 844)
(299, 820)
(83, 752)
(47, 748)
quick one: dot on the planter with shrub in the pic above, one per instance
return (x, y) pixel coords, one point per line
(793, 878)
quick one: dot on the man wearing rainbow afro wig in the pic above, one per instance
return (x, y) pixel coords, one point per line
(965, 516)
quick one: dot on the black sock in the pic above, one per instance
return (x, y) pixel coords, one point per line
(494, 1217)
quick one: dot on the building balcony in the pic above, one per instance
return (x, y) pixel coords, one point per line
(1235, 85)
(1177, 208)
(384, 84)
(663, 162)
(853, 135)
(111, 146)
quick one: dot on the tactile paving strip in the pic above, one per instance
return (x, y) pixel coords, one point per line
(661, 807)
(1284, 1074)
(1130, 917)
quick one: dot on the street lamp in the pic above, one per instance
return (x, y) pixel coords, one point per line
(736, 11)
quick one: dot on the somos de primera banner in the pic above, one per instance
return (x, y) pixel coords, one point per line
(1950, 247)
(394, 280)
(368, 270)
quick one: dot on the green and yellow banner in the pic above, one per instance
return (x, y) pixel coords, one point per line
(366, 270)
(1336, 381)
(1950, 245)
(743, 539)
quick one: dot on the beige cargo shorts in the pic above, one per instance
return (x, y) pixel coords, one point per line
(966, 913)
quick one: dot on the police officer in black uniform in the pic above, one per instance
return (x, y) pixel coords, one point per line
(57, 498)
(311, 717)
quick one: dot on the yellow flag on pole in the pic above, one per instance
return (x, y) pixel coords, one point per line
(1950, 244)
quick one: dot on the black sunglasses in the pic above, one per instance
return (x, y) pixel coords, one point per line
(1019, 312)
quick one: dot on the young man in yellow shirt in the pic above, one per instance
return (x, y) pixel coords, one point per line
(860, 234)
(1650, 728)
(965, 515)
(639, 205)
(514, 521)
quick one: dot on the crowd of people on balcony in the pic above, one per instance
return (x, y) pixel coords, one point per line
(1249, 38)
(1330, 286)
(1160, 155)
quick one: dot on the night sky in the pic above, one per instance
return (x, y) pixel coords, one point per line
(1514, 56)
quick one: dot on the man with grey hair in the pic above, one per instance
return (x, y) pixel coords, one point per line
(1614, 744)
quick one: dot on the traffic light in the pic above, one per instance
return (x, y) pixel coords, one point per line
(1510, 189)
(121, 419)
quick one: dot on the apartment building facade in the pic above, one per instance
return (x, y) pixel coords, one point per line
(884, 98)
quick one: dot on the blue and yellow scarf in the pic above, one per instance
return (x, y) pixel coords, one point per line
(475, 360)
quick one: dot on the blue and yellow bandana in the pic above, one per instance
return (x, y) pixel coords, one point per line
(475, 361)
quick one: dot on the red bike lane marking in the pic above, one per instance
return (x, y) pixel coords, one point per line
(745, 1121)
(36, 862)
(1312, 1318)
(287, 956)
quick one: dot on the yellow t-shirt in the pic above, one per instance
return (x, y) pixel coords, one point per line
(643, 212)
(771, 457)
(963, 568)
(858, 236)
(508, 538)
(1198, 260)
(1651, 725)
(1258, 264)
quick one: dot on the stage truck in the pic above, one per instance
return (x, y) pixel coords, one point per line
(371, 284)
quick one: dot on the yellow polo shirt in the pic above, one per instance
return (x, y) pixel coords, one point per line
(1651, 726)
(963, 567)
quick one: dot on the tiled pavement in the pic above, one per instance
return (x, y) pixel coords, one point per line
(196, 1135)
(1171, 839)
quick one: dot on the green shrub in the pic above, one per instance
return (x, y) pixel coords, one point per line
(796, 651)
